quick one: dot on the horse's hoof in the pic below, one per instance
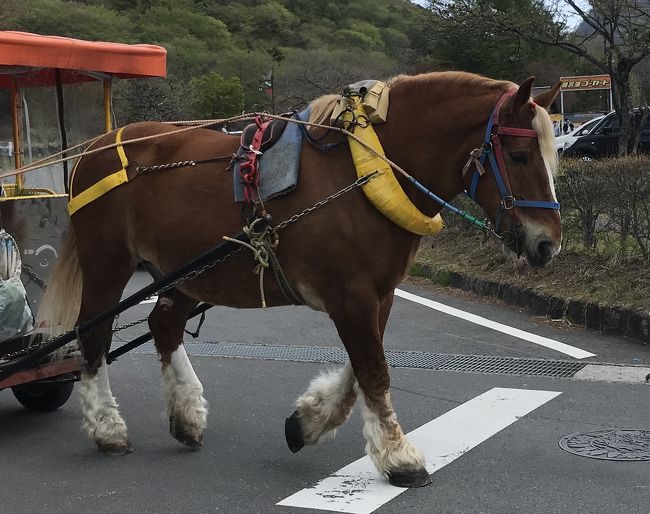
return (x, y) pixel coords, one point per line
(183, 436)
(409, 478)
(293, 433)
(115, 450)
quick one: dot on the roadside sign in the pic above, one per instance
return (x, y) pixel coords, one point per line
(585, 82)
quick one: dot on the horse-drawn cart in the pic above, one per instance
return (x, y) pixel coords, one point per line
(347, 264)
(33, 206)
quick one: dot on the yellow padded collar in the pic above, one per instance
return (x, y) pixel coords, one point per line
(384, 191)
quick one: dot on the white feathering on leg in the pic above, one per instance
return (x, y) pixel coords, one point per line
(386, 444)
(326, 404)
(101, 418)
(184, 394)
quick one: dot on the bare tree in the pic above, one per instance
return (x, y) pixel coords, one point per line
(306, 75)
(614, 36)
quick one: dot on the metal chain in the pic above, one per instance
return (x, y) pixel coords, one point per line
(361, 181)
(22, 351)
(25, 351)
(129, 325)
(140, 170)
(158, 167)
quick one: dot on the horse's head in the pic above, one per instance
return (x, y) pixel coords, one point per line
(517, 192)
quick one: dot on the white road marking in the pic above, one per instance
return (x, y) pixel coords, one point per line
(358, 488)
(500, 327)
(612, 373)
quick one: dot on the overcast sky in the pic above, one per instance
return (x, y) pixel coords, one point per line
(573, 20)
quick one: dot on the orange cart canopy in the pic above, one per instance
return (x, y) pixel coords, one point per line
(33, 58)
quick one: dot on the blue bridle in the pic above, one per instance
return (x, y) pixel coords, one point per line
(492, 150)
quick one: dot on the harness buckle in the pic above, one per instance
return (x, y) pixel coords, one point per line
(508, 203)
(488, 147)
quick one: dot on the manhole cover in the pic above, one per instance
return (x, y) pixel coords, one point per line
(612, 444)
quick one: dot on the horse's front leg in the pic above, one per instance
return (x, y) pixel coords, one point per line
(186, 407)
(321, 409)
(328, 401)
(360, 319)
(360, 322)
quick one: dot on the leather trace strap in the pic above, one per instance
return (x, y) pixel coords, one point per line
(249, 170)
(102, 187)
(492, 151)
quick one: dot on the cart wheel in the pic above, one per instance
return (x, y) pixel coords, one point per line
(43, 397)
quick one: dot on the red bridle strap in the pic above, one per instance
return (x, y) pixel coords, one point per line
(517, 132)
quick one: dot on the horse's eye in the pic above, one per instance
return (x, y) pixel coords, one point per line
(519, 157)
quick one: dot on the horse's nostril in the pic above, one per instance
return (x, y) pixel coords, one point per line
(545, 249)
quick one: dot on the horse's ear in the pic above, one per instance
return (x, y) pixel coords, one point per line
(523, 95)
(546, 98)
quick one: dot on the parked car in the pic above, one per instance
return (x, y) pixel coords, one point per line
(7, 147)
(602, 141)
(565, 141)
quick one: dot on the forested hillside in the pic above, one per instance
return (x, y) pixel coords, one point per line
(220, 51)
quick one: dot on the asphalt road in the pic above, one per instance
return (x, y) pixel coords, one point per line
(47, 465)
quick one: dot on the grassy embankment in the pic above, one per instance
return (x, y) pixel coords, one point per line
(606, 240)
(572, 275)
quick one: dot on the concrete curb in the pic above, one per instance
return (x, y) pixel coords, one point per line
(608, 320)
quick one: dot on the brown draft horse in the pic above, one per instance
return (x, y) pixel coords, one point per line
(345, 259)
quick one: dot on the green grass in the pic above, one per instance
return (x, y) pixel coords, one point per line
(571, 275)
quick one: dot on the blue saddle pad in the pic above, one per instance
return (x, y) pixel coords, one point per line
(278, 166)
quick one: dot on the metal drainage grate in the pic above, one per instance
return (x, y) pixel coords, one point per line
(612, 444)
(396, 359)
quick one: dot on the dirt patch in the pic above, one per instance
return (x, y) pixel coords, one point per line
(571, 277)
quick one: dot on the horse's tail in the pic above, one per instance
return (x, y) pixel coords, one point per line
(59, 308)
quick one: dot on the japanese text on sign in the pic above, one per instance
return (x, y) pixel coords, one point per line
(584, 83)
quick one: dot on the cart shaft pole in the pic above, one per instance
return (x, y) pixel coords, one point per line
(209, 257)
(108, 125)
(16, 122)
(61, 116)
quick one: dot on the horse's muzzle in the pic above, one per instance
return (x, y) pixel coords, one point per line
(541, 251)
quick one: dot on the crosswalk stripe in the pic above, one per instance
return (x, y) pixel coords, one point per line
(357, 488)
(500, 327)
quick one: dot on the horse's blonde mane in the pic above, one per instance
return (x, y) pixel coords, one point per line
(543, 125)
(321, 109)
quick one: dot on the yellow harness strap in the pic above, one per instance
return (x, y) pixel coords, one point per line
(104, 185)
(384, 191)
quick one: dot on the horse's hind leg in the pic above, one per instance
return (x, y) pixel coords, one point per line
(101, 418)
(186, 407)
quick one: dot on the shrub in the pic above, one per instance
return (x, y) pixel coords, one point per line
(607, 202)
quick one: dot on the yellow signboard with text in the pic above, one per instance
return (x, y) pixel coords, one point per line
(585, 83)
